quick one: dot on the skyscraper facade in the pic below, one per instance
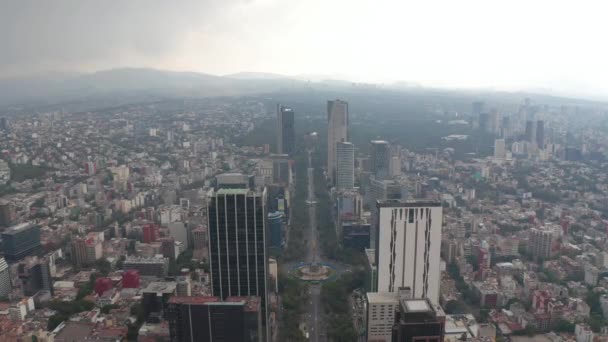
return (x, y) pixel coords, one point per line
(20, 240)
(35, 275)
(345, 165)
(530, 131)
(477, 108)
(540, 134)
(418, 320)
(499, 149)
(5, 279)
(381, 309)
(337, 131)
(408, 247)
(275, 228)
(237, 243)
(206, 318)
(286, 136)
(540, 243)
(380, 158)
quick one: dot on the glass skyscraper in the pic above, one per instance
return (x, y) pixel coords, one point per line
(237, 243)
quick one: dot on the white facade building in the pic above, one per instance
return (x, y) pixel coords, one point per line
(408, 247)
(381, 307)
(5, 279)
(583, 333)
(499, 149)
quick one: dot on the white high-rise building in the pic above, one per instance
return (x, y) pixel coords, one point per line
(345, 165)
(408, 247)
(499, 149)
(337, 131)
(5, 279)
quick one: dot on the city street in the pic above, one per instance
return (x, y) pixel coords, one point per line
(314, 312)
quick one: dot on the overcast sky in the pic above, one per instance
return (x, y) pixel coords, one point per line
(466, 43)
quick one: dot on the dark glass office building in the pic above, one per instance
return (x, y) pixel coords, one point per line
(206, 318)
(286, 135)
(20, 240)
(356, 235)
(237, 243)
(35, 275)
(380, 157)
(418, 320)
(540, 134)
(275, 227)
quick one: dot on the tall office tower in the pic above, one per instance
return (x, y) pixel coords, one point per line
(87, 250)
(408, 247)
(20, 240)
(286, 135)
(484, 121)
(6, 286)
(275, 228)
(499, 149)
(35, 275)
(477, 108)
(540, 243)
(206, 318)
(495, 122)
(380, 158)
(281, 169)
(155, 298)
(540, 134)
(345, 165)
(506, 130)
(530, 131)
(7, 213)
(381, 309)
(418, 320)
(4, 124)
(237, 243)
(337, 131)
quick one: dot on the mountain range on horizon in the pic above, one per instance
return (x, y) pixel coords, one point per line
(58, 87)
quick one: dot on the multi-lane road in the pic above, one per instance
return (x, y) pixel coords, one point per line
(314, 312)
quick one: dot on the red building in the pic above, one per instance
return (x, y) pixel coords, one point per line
(102, 285)
(150, 232)
(130, 279)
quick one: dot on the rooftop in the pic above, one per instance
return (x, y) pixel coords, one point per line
(228, 191)
(252, 304)
(18, 228)
(416, 305)
(407, 203)
(382, 297)
(193, 299)
(161, 287)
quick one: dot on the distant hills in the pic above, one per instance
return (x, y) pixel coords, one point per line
(129, 85)
(134, 82)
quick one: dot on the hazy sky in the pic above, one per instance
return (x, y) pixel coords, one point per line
(477, 43)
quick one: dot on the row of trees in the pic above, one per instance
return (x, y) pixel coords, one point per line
(296, 246)
(293, 298)
(335, 297)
